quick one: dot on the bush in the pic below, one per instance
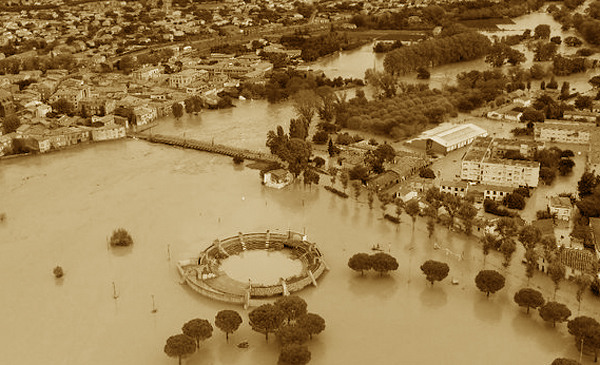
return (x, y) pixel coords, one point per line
(238, 160)
(427, 173)
(337, 192)
(543, 214)
(514, 201)
(121, 237)
(492, 207)
(319, 162)
(58, 272)
(320, 137)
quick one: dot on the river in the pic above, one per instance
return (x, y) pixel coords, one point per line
(61, 207)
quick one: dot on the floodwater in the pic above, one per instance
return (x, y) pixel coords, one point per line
(62, 207)
(261, 267)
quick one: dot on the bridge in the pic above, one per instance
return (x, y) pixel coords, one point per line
(210, 147)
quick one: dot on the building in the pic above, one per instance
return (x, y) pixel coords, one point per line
(454, 187)
(576, 262)
(595, 230)
(581, 115)
(495, 192)
(7, 107)
(277, 178)
(563, 132)
(183, 78)
(108, 132)
(561, 206)
(384, 180)
(447, 137)
(144, 115)
(484, 162)
(147, 73)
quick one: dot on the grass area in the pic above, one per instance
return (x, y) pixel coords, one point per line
(487, 24)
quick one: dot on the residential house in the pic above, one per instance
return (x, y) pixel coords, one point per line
(7, 107)
(98, 106)
(277, 178)
(581, 115)
(108, 132)
(496, 192)
(183, 78)
(144, 115)
(6, 143)
(72, 95)
(576, 262)
(384, 180)
(454, 187)
(561, 207)
(147, 73)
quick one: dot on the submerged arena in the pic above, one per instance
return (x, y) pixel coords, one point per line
(250, 266)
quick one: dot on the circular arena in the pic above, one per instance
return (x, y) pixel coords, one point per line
(250, 266)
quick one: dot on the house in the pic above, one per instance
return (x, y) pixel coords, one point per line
(581, 115)
(384, 180)
(183, 78)
(455, 187)
(576, 262)
(147, 73)
(277, 178)
(561, 206)
(108, 132)
(7, 106)
(144, 115)
(496, 192)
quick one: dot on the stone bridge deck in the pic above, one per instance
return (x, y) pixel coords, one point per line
(210, 147)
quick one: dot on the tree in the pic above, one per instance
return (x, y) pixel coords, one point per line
(311, 176)
(584, 102)
(529, 236)
(529, 298)
(595, 81)
(583, 283)
(177, 110)
(58, 272)
(266, 318)
(514, 201)
(586, 331)
(63, 106)
(294, 355)
(383, 262)
(332, 149)
(565, 166)
(507, 248)
(344, 179)
(292, 306)
(384, 83)
(385, 152)
(305, 103)
(542, 31)
(557, 272)
(435, 270)
(412, 208)
(198, 329)
(11, 123)
(488, 241)
(120, 237)
(360, 262)
(312, 323)
(554, 312)
(489, 281)
(587, 184)
(564, 361)
(228, 321)
(430, 226)
(180, 346)
(292, 335)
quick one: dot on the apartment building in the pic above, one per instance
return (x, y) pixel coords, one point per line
(484, 163)
(563, 132)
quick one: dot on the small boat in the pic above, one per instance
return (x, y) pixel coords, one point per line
(376, 248)
(243, 344)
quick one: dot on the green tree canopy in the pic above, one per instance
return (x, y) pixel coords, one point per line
(360, 262)
(554, 312)
(198, 329)
(489, 281)
(312, 323)
(180, 346)
(292, 306)
(294, 355)
(177, 110)
(564, 361)
(292, 335)
(266, 318)
(11, 123)
(228, 321)
(383, 262)
(435, 270)
(529, 298)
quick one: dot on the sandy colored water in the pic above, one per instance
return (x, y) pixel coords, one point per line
(261, 267)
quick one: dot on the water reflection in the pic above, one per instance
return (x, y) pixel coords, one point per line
(486, 309)
(433, 297)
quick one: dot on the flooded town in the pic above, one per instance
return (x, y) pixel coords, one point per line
(290, 183)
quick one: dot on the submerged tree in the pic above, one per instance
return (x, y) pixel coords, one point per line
(294, 355)
(292, 306)
(312, 323)
(489, 281)
(120, 237)
(180, 346)
(198, 329)
(554, 312)
(383, 262)
(228, 321)
(266, 318)
(360, 262)
(529, 298)
(435, 270)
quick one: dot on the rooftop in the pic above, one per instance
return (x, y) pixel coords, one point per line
(451, 134)
(560, 202)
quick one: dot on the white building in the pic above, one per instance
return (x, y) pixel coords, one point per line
(563, 131)
(448, 137)
(561, 206)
